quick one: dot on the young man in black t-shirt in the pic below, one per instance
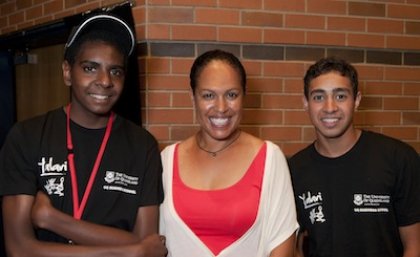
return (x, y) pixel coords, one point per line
(81, 180)
(356, 191)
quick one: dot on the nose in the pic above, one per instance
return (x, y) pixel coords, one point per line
(221, 104)
(330, 105)
(104, 79)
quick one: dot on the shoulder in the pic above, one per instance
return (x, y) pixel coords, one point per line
(385, 143)
(35, 125)
(301, 156)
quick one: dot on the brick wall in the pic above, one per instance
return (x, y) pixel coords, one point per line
(277, 40)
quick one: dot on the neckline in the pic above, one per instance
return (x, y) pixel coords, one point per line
(176, 175)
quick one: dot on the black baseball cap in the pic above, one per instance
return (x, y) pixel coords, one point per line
(109, 24)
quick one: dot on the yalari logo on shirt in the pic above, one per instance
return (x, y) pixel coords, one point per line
(313, 202)
(54, 185)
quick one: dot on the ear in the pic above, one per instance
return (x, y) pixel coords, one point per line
(305, 103)
(66, 67)
(192, 98)
(357, 100)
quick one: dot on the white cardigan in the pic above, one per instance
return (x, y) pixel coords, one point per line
(275, 222)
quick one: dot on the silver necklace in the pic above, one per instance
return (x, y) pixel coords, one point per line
(214, 153)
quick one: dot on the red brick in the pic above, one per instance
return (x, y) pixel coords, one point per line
(33, 12)
(281, 133)
(196, 3)
(87, 7)
(284, 36)
(412, 28)
(285, 6)
(282, 101)
(406, 133)
(170, 116)
(385, 26)
(240, 4)
(379, 118)
(401, 73)
(326, 7)
(284, 69)
(401, 103)
(158, 31)
(73, 3)
(169, 82)
(181, 66)
(411, 118)
(158, 99)
(370, 72)
(240, 34)
(252, 100)
(412, 89)
(53, 7)
(260, 116)
(7, 9)
(346, 24)
(193, 32)
(382, 88)
(182, 99)
(179, 133)
(264, 85)
(289, 149)
(262, 19)
(305, 21)
(367, 9)
(325, 38)
(293, 86)
(401, 42)
(3, 22)
(159, 132)
(158, 2)
(403, 11)
(16, 18)
(158, 65)
(371, 103)
(309, 134)
(139, 15)
(296, 118)
(253, 68)
(170, 15)
(22, 4)
(366, 40)
(224, 16)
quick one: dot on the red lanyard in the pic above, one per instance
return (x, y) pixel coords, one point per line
(78, 207)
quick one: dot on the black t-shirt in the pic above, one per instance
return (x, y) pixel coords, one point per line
(352, 205)
(34, 158)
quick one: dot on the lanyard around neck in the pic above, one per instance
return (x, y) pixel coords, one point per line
(78, 207)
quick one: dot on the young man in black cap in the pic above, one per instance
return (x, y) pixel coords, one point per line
(81, 180)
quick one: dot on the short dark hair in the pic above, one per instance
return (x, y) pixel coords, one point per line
(331, 64)
(204, 59)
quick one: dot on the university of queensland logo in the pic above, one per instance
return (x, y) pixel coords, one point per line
(358, 199)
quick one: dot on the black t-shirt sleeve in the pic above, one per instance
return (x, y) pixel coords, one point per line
(407, 189)
(16, 163)
(152, 189)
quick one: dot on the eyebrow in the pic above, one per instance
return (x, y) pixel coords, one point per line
(335, 90)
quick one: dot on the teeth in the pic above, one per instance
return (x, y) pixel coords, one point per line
(330, 120)
(219, 121)
(100, 97)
